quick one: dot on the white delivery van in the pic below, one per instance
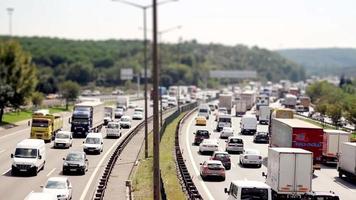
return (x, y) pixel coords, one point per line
(29, 156)
(240, 190)
(93, 143)
(113, 129)
(248, 124)
(63, 139)
(41, 196)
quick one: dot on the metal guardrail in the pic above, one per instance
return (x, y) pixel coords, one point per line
(187, 182)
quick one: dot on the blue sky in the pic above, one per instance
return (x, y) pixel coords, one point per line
(271, 24)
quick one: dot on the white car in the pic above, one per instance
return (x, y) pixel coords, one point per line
(165, 104)
(59, 186)
(251, 157)
(63, 139)
(125, 121)
(118, 113)
(139, 109)
(227, 132)
(137, 115)
(113, 129)
(208, 145)
(172, 102)
(93, 143)
(41, 196)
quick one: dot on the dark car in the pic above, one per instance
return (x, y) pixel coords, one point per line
(200, 135)
(224, 157)
(75, 162)
(320, 196)
(261, 137)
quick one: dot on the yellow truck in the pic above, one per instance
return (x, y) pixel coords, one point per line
(283, 113)
(44, 125)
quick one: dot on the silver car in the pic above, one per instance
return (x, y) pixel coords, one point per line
(234, 144)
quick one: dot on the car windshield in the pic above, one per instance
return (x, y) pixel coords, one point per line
(114, 126)
(253, 152)
(80, 120)
(225, 119)
(202, 110)
(254, 194)
(25, 153)
(222, 110)
(138, 113)
(221, 156)
(236, 140)
(119, 110)
(55, 185)
(227, 129)
(74, 157)
(202, 133)
(40, 123)
(124, 119)
(92, 140)
(62, 136)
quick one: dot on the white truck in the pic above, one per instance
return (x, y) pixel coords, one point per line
(109, 114)
(240, 108)
(225, 100)
(244, 189)
(347, 160)
(290, 101)
(249, 97)
(248, 124)
(87, 117)
(122, 101)
(262, 100)
(263, 114)
(332, 141)
(289, 172)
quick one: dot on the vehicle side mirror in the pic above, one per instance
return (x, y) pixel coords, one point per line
(264, 174)
(86, 159)
(40, 157)
(12, 155)
(102, 142)
(69, 121)
(226, 190)
(200, 163)
(83, 142)
(29, 123)
(194, 133)
(64, 159)
(41, 186)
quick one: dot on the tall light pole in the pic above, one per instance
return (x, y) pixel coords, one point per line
(10, 11)
(144, 9)
(160, 33)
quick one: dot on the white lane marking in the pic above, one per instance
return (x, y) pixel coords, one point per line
(2, 151)
(51, 172)
(196, 170)
(85, 191)
(5, 136)
(6, 171)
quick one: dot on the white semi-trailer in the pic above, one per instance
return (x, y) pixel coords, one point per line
(347, 160)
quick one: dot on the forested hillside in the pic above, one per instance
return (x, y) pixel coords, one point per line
(329, 61)
(189, 62)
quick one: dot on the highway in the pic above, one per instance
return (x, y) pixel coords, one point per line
(15, 188)
(324, 180)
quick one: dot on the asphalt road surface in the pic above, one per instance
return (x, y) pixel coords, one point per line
(324, 180)
(15, 188)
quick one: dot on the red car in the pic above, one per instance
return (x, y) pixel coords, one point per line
(224, 157)
(212, 168)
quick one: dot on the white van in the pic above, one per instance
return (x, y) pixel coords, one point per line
(63, 139)
(40, 196)
(29, 156)
(93, 143)
(113, 129)
(248, 124)
(248, 190)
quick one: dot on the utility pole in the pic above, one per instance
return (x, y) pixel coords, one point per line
(10, 11)
(156, 135)
(144, 9)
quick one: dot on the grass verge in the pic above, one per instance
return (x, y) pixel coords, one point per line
(13, 117)
(143, 176)
(326, 126)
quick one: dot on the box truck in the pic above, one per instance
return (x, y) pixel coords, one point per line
(87, 117)
(290, 101)
(122, 102)
(44, 125)
(283, 113)
(296, 133)
(109, 114)
(305, 102)
(240, 108)
(332, 141)
(248, 124)
(347, 160)
(262, 100)
(289, 172)
(249, 97)
(263, 114)
(225, 100)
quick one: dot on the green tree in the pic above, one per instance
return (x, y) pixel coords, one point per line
(17, 75)
(321, 108)
(69, 91)
(351, 116)
(335, 113)
(37, 99)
